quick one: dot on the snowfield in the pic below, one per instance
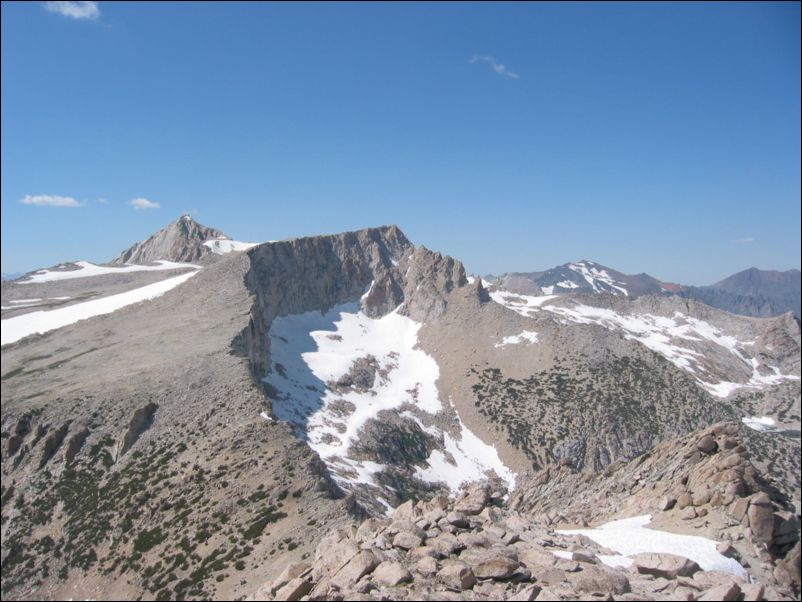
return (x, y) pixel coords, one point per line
(87, 269)
(312, 349)
(630, 536)
(660, 334)
(14, 329)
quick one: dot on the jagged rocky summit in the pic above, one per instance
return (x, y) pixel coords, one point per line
(181, 241)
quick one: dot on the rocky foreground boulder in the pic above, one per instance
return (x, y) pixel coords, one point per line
(473, 548)
(486, 545)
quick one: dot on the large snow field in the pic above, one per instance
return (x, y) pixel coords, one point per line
(87, 269)
(312, 349)
(14, 329)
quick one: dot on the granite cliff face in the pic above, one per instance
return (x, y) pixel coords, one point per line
(180, 241)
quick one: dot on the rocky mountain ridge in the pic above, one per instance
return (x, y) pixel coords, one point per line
(181, 241)
(752, 292)
(191, 445)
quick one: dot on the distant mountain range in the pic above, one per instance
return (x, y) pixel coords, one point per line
(752, 292)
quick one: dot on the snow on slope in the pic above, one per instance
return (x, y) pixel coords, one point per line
(221, 246)
(630, 536)
(764, 424)
(660, 334)
(14, 329)
(595, 277)
(90, 269)
(312, 349)
(26, 303)
(517, 339)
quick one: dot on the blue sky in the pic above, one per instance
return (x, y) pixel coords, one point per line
(654, 137)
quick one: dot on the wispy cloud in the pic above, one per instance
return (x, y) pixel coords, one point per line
(75, 10)
(746, 240)
(102, 201)
(50, 200)
(494, 65)
(141, 204)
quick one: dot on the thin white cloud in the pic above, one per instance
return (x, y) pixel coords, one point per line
(141, 204)
(50, 200)
(494, 65)
(746, 240)
(75, 10)
(102, 201)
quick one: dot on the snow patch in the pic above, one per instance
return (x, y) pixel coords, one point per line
(567, 284)
(87, 269)
(472, 458)
(594, 276)
(517, 339)
(764, 424)
(40, 322)
(221, 246)
(630, 536)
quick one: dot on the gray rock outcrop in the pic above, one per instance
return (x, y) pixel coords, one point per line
(180, 241)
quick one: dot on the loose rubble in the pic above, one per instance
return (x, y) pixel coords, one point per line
(474, 548)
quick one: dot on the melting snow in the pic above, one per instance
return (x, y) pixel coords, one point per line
(658, 333)
(312, 349)
(517, 339)
(221, 246)
(44, 321)
(763, 423)
(630, 536)
(91, 269)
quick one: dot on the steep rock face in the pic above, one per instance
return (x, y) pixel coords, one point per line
(334, 327)
(429, 280)
(318, 273)
(182, 240)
